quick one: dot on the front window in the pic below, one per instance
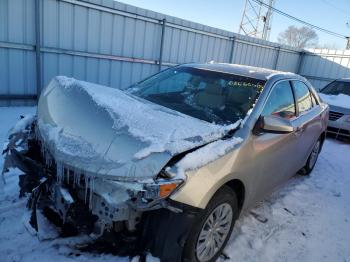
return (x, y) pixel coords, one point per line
(215, 97)
(280, 102)
(336, 88)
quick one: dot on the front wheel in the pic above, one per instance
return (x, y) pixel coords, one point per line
(212, 228)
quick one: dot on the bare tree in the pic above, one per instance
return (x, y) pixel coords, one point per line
(298, 37)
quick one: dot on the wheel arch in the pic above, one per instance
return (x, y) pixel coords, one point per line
(238, 187)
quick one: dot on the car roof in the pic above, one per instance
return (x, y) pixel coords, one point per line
(244, 70)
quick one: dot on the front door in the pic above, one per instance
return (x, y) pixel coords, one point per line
(275, 153)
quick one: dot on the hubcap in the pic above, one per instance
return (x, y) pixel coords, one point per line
(214, 232)
(314, 154)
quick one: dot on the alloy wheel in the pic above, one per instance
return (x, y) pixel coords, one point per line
(214, 232)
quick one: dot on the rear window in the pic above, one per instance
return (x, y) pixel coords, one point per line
(212, 96)
(303, 96)
(336, 88)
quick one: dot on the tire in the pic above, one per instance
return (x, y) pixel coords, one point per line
(224, 200)
(312, 159)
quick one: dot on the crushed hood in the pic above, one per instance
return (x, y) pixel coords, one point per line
(107, 132)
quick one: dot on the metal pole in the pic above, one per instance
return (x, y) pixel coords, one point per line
(37, 48)
(301, 60)
(233, 39)
(277, 57)
(160, 62)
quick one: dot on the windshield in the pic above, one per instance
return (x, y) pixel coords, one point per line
(215, 97)
(336, 88)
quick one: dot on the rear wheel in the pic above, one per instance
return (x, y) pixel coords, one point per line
(212, 228)
(311, 161)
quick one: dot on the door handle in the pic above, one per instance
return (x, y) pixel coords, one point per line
(299, 130)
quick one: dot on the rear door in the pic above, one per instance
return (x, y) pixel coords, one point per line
(308, 120)
(275, 152)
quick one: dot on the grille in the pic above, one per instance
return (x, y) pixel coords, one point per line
(338, 132)
(333, 116)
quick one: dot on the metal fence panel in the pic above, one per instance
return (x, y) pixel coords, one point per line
(288, 61)
(115, 44)
(322, 66)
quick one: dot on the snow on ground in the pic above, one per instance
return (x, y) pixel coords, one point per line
(308, 219)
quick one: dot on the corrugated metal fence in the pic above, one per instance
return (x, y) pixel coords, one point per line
(115, 44)
(321, 66)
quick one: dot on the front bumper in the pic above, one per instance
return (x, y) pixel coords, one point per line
(63, 186)
(94, 205)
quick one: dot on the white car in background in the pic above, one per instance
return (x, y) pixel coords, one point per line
(337, 95)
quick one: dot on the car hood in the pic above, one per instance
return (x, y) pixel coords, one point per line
(107, 132)
(339, 103)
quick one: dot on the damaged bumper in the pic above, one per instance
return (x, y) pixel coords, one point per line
(94, 204)
(109, 200)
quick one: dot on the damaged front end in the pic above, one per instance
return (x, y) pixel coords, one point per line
(78, 201)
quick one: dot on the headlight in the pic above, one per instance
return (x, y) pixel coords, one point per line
(347, 119)
(161, 189)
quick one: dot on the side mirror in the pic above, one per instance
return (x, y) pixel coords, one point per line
(273, 124)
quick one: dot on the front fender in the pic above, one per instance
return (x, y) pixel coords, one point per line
(203, 183)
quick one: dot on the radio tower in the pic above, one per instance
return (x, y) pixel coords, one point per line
(256, 18)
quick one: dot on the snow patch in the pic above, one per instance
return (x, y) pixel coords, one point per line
(247, 116)
(340, 100)
(149, 258)
(206, 154)
(65, 144)
(22, 124)
(280, 73)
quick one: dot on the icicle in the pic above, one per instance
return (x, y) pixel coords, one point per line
(86, 178)
(74, 177)
(92, 187)
(59, 172)
(80, 174)
(47, 158)
(78, 178)
(67, 171)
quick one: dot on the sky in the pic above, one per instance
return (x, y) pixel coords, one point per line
(226, 14)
